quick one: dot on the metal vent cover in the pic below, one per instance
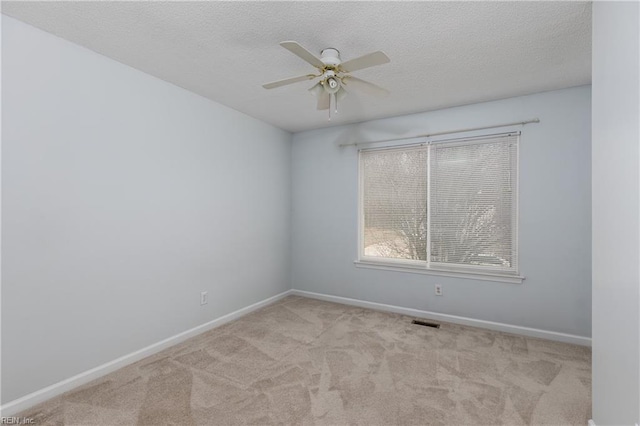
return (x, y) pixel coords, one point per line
(426, 323)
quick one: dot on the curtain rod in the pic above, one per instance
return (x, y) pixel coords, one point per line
(518, 123)
(414, 144)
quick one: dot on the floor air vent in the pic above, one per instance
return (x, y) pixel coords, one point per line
(426, 323)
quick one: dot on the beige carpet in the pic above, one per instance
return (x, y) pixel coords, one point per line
(303, 361)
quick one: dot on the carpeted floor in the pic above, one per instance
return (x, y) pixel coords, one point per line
(304, 361)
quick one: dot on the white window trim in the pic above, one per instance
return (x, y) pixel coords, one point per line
(426, 267)
(422, 269)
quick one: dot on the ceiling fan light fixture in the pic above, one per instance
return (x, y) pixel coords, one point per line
(332, 85)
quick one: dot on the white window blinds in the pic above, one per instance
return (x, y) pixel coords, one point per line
(395, 203)
(446, 205)
(473, 200)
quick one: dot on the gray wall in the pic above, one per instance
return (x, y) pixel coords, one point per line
(123, 197)
(616, 213)
(555, 216)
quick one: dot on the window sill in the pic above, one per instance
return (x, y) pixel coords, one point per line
(484, 276)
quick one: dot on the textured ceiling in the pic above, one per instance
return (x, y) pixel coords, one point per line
(442, 53)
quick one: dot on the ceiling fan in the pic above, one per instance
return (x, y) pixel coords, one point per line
(334, 74)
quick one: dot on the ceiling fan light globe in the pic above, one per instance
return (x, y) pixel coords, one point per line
(332, 85)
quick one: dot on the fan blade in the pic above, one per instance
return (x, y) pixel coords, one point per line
(366, 61)
(302, 53)
(286, 81)
(324, 100)
(365, 86)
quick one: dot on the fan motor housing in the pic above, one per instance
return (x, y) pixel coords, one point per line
(330, 57)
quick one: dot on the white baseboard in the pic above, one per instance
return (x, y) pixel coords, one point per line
(16, 406)
(497, 326)
(592, 423)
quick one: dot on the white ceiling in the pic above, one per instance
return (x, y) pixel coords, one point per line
(442, 53)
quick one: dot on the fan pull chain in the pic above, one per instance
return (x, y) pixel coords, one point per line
(335, 105)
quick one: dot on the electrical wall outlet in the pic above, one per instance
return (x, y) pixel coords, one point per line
(204, 298)
(438, 289)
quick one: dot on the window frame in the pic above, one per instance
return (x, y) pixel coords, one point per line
(426, 266)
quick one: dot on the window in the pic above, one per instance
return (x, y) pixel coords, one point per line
(442, 206)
